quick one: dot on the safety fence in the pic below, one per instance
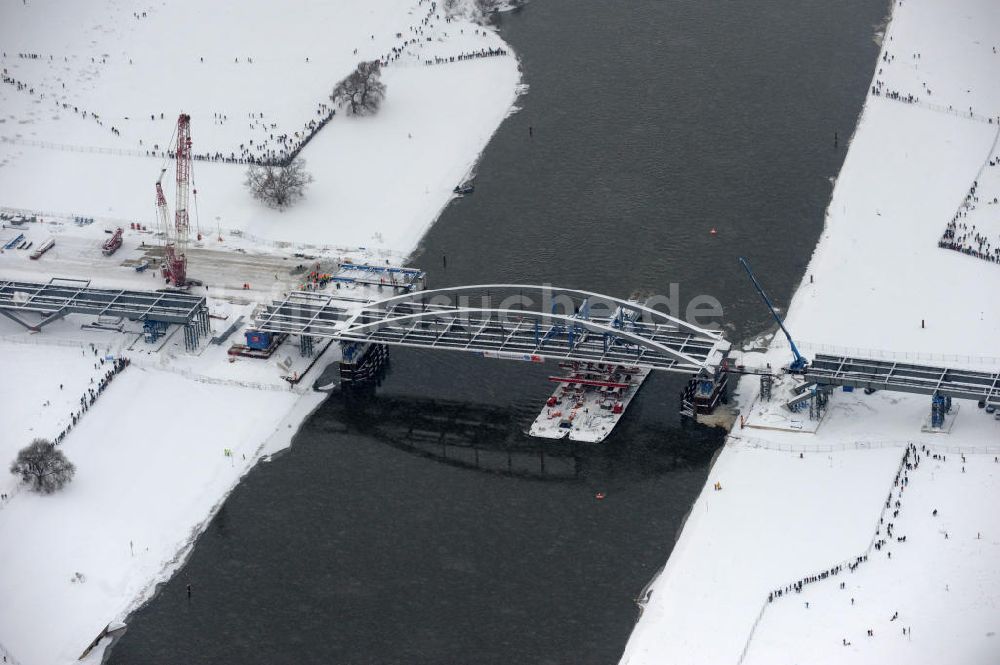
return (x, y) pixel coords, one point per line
(97, 150)
(753, 442)
(883, 354)
(215, 380)
(840, 565)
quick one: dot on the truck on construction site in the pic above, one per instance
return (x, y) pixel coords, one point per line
(44, 247)
(112, 244)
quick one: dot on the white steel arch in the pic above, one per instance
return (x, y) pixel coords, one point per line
(655, 314)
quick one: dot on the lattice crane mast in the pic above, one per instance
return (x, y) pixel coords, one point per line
(162, 214)
(175, 269)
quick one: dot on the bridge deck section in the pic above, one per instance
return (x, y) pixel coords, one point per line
(904, 377)
(59, 297)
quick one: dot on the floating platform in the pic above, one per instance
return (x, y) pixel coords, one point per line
(588, 402)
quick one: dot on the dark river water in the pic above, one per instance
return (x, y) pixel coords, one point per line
(418, 524)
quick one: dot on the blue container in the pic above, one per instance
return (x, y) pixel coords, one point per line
(848, 389)
(257, 339)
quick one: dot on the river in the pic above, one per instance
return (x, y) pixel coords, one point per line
(418, 524)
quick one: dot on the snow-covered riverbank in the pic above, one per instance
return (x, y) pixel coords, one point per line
(794, 505)
(379, 182)
(169, 438)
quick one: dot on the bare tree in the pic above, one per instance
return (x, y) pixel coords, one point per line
(475, 10)
(43, 466)
(278, 186)
(487, 7)
(362, 91)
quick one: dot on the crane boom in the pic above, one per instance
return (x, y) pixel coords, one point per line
(799, 362)
(176, 268)
(162, 214)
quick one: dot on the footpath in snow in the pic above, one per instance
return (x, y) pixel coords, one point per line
(89, 95)
(794, 506)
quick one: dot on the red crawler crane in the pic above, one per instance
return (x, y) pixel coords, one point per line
(175, 269)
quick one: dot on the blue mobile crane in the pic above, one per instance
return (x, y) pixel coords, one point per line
(799, 363)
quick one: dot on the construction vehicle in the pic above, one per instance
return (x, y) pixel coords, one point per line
(176, 239)
(112, 244)
(44, 247)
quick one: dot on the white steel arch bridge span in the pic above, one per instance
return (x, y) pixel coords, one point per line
(512, 321)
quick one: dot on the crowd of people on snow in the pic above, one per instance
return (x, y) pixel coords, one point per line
(909, 462)
(885, 532)
(470, 55)
(21, 86)
(115, 367)
(961, 237)
(880, 89)
(278, 148)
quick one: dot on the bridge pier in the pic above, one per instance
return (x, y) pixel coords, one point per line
(704, 392)
(362, 363)
(191, 337)
(766, 383)
(306, 344)
(940, 407)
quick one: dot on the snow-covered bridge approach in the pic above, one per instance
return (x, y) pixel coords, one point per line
(904, 377)
(511, 321)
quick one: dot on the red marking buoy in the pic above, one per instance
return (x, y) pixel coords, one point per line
(599, 496)
(713, 232)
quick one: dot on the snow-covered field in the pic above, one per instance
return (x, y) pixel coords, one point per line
(84, 86)
(149, 472)
(925, 599)
(794, 504)
(379, 181)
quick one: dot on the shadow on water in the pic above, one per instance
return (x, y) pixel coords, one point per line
(379, 537)
(491, 439)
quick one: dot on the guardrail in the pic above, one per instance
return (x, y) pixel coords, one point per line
(884, 354)
(753, 442)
